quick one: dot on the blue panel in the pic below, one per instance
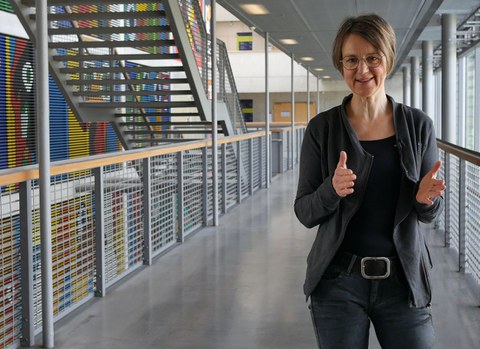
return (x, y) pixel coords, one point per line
(59, 146)
(112, 140)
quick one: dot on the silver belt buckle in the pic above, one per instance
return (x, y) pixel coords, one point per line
(375, 277)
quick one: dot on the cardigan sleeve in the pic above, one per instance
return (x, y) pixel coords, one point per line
(429, 155)
(316, 199)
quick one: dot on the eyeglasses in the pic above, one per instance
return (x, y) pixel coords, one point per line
(372, 61)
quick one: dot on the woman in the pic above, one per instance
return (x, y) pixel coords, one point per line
(367, 178)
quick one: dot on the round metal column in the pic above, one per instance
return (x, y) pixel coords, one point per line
(43, 113)
(415, 81)
(267, 115)
(292, 136)
(214, 112)
(427, 78)
(406, 85)
(449, 78)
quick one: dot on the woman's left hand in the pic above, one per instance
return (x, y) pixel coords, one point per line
(430, 187)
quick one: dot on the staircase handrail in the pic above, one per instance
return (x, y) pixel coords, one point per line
(226, 76)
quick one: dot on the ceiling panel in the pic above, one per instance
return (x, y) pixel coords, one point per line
(313, 23)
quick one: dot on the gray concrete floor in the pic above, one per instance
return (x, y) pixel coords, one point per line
(239, 286)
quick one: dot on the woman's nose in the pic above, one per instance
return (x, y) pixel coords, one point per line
(362, 66)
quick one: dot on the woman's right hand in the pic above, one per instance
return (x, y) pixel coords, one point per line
(343, 178)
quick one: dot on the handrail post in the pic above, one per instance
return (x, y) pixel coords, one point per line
(147, 205)
(462, 232)
(239, 171)
(99, 233)
(447, 200)
(26, 251)
(250, 164)
(180, 198)
(224, 177)
(205, 185)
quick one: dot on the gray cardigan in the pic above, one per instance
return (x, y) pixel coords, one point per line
(317, 203)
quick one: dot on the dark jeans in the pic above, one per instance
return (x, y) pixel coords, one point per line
(343, 305)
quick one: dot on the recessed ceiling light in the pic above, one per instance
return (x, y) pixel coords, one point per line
(326, 77)
(289, 41)
(255, 9)
(318, 69)
(307, 59)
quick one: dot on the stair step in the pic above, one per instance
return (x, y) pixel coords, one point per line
(31, 3)
(89, 16)
(132, 93)
(116, 57)
(126, 82)
(157, 29)
(167, 123)
(159, 114)
(190, 132)
(164, 140)
(125, 70)
(111, 44)
(111, 105)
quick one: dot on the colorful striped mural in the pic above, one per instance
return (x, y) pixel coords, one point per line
(18, 120)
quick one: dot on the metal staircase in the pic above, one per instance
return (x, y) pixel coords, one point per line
(141, 65)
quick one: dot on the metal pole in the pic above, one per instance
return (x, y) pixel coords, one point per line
(462, 101)
(406, 85)
(26, 260)
(476, 135)
(214, 112)
(43, 113)
(449, 78)
(267, 115)
(181, 198)
(462, 217)
(292, 140)
(147, 212)
(415, 81)
(427, 78)
(100, 252)
(308, 94)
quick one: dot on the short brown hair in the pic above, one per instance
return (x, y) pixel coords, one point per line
(372, 28)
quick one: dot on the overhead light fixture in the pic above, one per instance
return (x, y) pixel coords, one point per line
(289, 41)
(318, 69)
(255, 9)
(326, 77)
(307, 59)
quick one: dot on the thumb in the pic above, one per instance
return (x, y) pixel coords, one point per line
(435, 168)
(343, 160)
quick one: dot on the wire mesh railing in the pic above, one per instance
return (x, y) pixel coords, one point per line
(110, 215)
(460, 221)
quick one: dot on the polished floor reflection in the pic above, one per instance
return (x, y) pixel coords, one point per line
(239, 286)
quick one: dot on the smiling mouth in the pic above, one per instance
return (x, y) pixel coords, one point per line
(364, 80)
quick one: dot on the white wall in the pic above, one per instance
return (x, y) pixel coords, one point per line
(332, 95)
(249, 72)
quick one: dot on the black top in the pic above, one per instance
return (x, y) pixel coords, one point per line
(370, 231)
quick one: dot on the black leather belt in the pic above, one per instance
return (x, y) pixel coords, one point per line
(371, 268)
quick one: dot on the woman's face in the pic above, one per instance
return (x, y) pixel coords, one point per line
(363, 81)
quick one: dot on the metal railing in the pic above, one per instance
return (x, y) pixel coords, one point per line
(460, 220)
(111, 214)
(228, 90)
